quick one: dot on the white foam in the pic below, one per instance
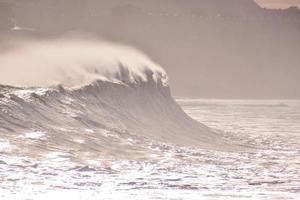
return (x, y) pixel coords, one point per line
(5, 146)
(89, 130)
(80, 141)
(35, 135)
(26, 93)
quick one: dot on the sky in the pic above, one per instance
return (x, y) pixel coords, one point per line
(278, 4)
(209, 48)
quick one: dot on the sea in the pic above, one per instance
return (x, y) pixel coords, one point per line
(266, 166)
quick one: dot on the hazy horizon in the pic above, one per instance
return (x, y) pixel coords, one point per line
(149, 99)
(278, 4)
(210, 49)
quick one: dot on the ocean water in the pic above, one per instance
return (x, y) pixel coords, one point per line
(266, 167)
(270, 168)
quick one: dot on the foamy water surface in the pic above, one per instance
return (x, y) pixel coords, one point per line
(269, 168)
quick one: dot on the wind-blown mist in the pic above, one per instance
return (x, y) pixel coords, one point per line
(74, 62)
(121, 90)
(83, 118)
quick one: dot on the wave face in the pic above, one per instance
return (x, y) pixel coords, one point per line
(122, 112)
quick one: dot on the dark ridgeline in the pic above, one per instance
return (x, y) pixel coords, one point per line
(210, 48)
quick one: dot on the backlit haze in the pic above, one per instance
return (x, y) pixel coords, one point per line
(278, 4)
(209, 48)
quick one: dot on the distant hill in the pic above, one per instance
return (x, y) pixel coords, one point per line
(210, 48)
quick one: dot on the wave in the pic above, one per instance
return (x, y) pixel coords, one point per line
(120, 115)
(74, 62)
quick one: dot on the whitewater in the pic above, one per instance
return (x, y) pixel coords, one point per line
(87, 119)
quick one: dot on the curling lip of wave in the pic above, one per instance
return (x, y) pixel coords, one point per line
(74, 63)
(122, 97)
(139, 111)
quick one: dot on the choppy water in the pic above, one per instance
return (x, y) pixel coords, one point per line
(268, 169)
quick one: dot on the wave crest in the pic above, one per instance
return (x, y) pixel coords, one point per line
(118, 109)
(75, 62)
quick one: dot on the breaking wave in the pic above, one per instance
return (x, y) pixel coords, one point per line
(74, 63)
(109, 100)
